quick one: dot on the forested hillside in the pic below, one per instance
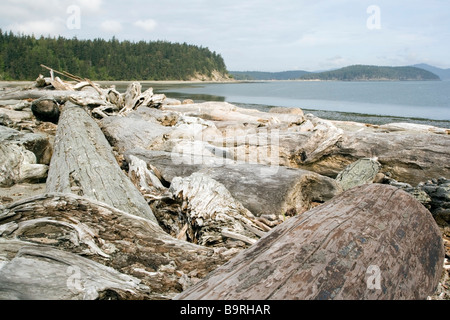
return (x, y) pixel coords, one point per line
(21, 57)
(363, 72)
(444, 74)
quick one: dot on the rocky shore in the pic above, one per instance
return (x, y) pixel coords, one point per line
(133, 195)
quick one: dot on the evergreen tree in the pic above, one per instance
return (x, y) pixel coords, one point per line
(98, 59)
(363, 72)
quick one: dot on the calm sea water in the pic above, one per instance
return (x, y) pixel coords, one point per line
(426, 102)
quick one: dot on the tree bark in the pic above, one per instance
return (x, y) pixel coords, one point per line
(59, 95)
(225, 112)
(45, 239)
(261, 189)
(372, 242)
(24, 157)
(83, 164)
(134, 131)
(411, 155)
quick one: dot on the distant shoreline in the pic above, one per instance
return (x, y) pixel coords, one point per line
(5, 83)
(326, 114)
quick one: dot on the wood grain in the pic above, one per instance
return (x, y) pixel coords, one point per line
(330, 252)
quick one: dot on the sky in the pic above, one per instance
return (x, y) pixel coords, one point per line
(256, 35)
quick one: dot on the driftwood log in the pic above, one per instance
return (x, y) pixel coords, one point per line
(24, 157)
(371, 242)
(213, 214)
(83, 164)
(410, 153)
(230, 114)
(59, 95)
(125, 133)
(198, 208)
(62, 246)
(263, 190)
(410, 156)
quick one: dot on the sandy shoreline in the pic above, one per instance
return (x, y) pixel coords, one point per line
(326, 114)
(106, 82)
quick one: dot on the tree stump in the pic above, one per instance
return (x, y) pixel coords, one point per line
(371, 242)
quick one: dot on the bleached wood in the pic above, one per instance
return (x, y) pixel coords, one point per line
(334, 252)
(83, 163)
(52, 242)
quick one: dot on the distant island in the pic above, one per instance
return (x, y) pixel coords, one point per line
(21, 57)
(371, 73)
(350, 73)
(444, 74)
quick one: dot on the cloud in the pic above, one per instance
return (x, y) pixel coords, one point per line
(148, 25)
(255, 34)
(38, 28)
(112, 26)
(23, 11)
(91, 6)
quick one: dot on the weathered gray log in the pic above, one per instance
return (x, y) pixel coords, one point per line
(83, 163)
(24, 157)
(224, 112)
(42, 82)
(19, 165)
(62, 246)
(17, 115)
(58, 84)
(165, 118)
(135, 98)
(132, 132)
(288, 139)
(372, 242)
(133, 92)
(37, 143)
(59, 95)
(196, 208)
(411, 156)
(263, 190)
(43, 273)
(212, 213)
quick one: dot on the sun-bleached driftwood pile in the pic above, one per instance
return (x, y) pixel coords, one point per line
(146, 196)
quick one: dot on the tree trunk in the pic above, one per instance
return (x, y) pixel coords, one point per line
(83, 164)
(23, 157)
(62, 246)
(261, 189)
(228, 113)
(372, 242)
(59, 95)
(125, 133)
(411, 155)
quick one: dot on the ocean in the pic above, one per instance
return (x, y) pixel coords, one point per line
(423, 102)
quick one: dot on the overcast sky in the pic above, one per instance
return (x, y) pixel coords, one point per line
(264, 35)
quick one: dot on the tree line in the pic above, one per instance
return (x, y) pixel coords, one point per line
(21, 57)
(364, 72)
